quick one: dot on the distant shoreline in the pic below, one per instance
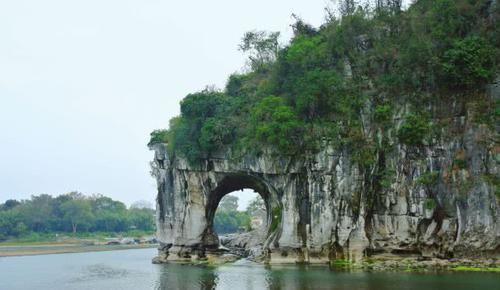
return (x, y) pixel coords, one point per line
(55, 248)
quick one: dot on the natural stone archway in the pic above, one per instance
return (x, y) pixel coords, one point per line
(306, 206)
(188, 197)
(238, 181)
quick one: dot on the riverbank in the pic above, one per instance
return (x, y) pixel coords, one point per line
(27, 249)
(374, 263)
(49, 243)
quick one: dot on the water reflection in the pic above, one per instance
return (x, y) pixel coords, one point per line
(133, 270)
(246, 275)
(203, 277)
(257, 277)
(185, 277)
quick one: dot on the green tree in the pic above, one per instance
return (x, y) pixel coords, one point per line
(9, 204)
(347, 7)
(142, 219)
(316, 93)
(256, 205)
(37, 214)
(201, 128)
(204, 104)
(215, 134)
(158, 136)
(228, 203)
(414, 129)
(469, 62)
(230, 221)
(109, 215)
(11, 224)
(262, 47)
(77, 213)
(274, 122)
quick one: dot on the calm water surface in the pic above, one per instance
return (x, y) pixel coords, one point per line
(132, 269)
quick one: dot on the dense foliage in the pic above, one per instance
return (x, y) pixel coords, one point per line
(228, 219)
(72, 212)
(226, 222)
(315, 89)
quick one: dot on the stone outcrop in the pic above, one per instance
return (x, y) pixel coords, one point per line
(248, 244)
(435, 200)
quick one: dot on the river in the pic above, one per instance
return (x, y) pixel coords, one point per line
(132, 269)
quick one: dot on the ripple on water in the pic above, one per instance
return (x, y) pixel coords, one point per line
(100, 271)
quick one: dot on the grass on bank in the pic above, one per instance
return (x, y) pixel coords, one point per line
(476, 269)
(64, 238)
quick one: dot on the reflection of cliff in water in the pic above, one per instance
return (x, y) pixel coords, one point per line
(244, 274)
(186, 278)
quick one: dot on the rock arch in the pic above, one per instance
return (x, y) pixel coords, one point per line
(324, 206)
(306, 206)
(237, 181)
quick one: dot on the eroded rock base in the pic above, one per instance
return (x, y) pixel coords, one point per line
(374, 263)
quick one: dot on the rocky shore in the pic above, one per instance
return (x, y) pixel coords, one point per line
(417, 264)
(248, 246)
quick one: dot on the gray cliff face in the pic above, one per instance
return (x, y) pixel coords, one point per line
(436, 200)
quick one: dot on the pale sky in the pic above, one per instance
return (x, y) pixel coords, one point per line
(82, 83)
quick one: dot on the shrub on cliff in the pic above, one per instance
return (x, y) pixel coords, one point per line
(158, 136)
(274, 122)
(469, 62)
(414, 129)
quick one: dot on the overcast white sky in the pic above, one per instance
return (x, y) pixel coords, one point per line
(82, 83)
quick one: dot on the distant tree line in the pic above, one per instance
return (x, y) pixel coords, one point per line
(73, 212)
(228, 219)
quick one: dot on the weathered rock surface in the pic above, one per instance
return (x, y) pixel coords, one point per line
(247, 244)
(325, 206)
